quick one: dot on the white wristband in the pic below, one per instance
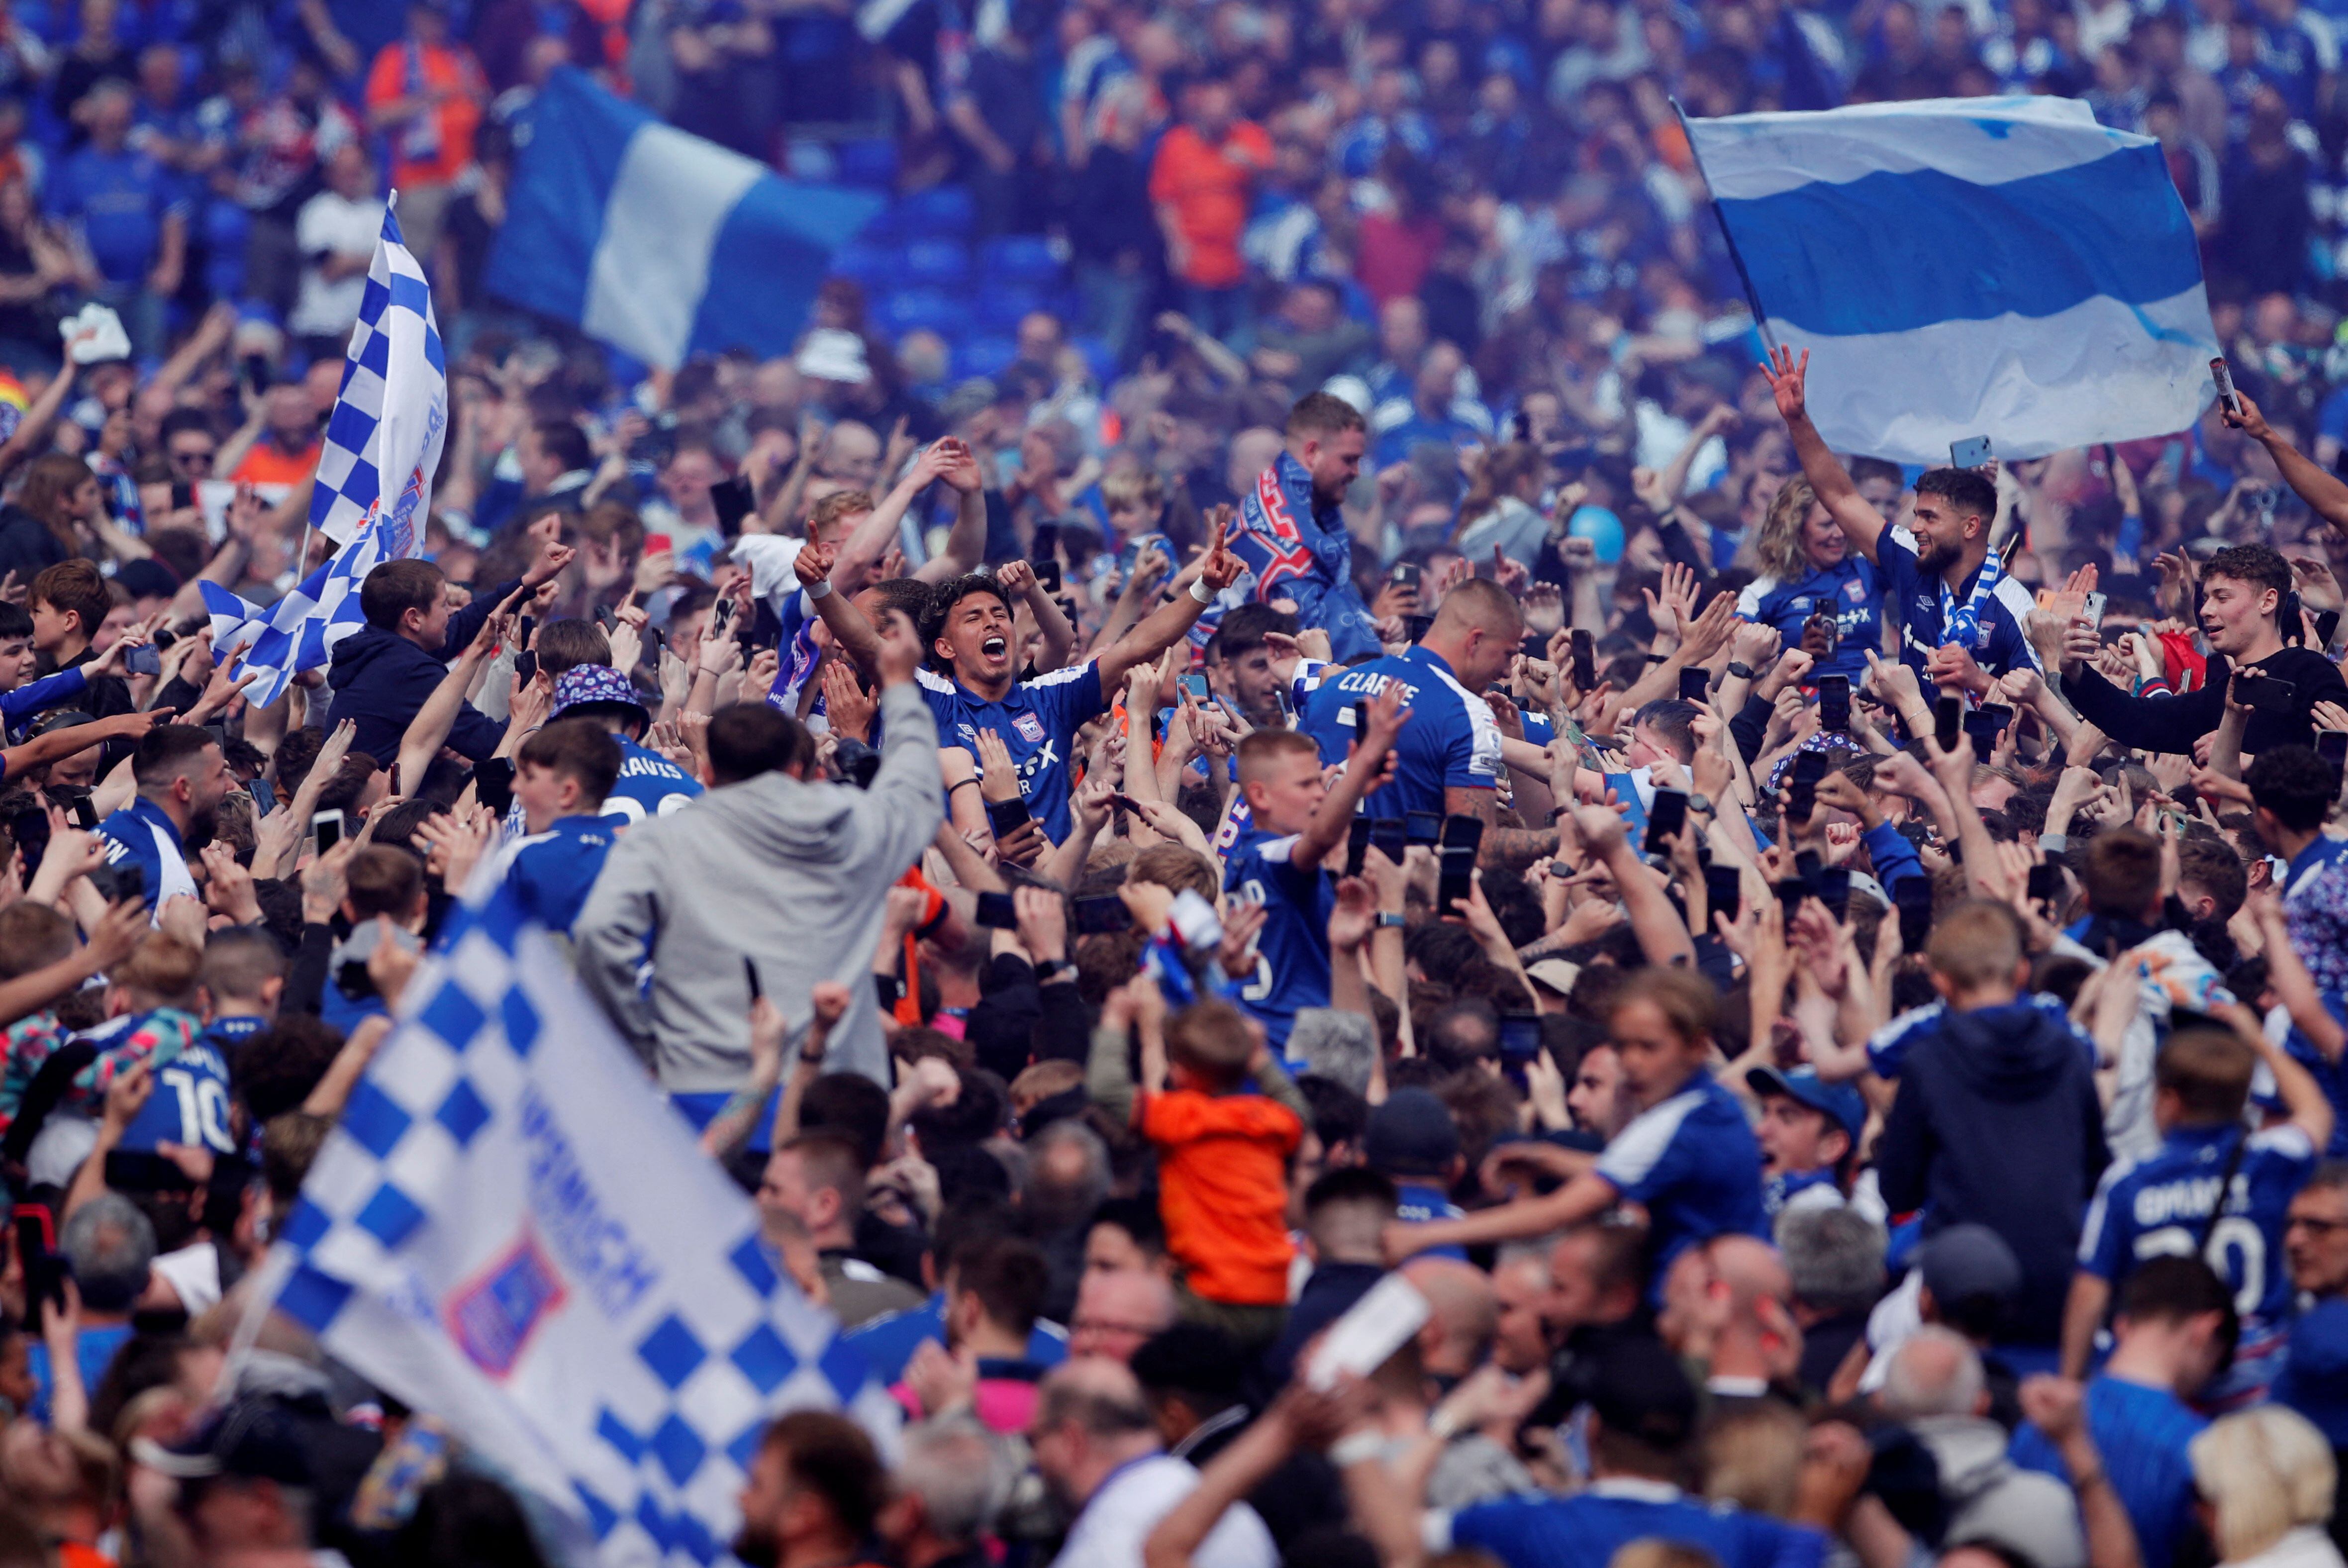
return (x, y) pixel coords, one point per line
(1201, 592)
(820, 589)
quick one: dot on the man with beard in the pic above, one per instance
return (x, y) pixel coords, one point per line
(1293, 538)
(182, 779)
(1960, 616)
(816, 1490)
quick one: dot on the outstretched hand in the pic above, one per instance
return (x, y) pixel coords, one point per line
(1789, 382)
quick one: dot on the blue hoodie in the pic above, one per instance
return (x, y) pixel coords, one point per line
(1997, 1124)
(381, 681)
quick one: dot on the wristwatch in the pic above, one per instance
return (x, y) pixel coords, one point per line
(1700, 803)
(1059, 969)
(1387, 917)
(1739, 670)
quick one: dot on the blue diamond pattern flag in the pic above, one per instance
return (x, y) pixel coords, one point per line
(374, 487)
(510, 1230)
(1963, 267)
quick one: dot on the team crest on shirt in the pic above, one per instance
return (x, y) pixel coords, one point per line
(1030, 728)
(1854, 592)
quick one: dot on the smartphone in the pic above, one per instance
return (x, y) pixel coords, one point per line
(2332, 745)
(732, 500)
(1386, 837)
(1828, 629)
(1585, 661)
(1806, 866)
(391, 779)
(1194, 686)
(146, 659)
(2092, 612)
(1834, 889)
(1695, 681)
(1971, 453)
(1791, 892)
(1405, 574)
(2043, 883)
(2327, 622)
(1454, 881)
(606, 617)
(751, 972)
(1102, 916)
(1422, 827)
(994, 909)
(1948, 721)
(1357, 842)
(2223, 375)
(1724, 890)
(1414, 627)
(1367, 1335)
(526, 666)
(1006, 817)
(1520, 1037)
(1913, 896)
(1044, 546)
(2270, 691)
(525, 626)
(45, 1271)
(328, 827)
(1802, 794)
(721, 615)
(658, 544)
(84, 811)
(252, 369)
(1994, 717)
(1047, 573)
(1665, 818)
(1834, 704)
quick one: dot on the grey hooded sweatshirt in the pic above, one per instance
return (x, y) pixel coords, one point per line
(793, 876)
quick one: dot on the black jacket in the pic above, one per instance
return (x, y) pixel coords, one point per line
(2174, 723)
(27, 548)
(1997, 1124)
(381, 680)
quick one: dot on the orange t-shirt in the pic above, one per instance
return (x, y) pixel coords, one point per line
(437, 153)
(1208, 188)
(263, 464)
(1222, 1188)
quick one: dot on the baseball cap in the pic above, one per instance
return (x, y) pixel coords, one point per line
(832, 355)
(1557, 974)
(269, 1437)
(1412, 1134)
(1802, 1086)
(1967, 1262)
(586, 685)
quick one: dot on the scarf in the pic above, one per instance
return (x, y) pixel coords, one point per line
(1961, 623)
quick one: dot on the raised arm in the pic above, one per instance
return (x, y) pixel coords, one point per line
(1172, 621)
(965, 546)
(429, 731)
(1364, 763)
(869, 540)
(848, 626)
(2319, 488)
(1859, 521)
(1018, 578)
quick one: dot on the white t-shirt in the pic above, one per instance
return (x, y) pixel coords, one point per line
(330, 225)
(1119, 1517)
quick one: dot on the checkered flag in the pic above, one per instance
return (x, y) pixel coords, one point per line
(299, 632)
(511, 1231)
(391, 416)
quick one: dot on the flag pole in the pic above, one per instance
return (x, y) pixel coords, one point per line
(302, 560)
(1751, 299)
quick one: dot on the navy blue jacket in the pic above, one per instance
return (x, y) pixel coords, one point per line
(381, 680)
(1997, 1124)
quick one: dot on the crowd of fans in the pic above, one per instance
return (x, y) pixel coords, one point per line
(1342, 895)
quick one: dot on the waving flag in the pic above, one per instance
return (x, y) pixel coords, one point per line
(1999, 267)
(659, 242)
(383, 443)
(299, 632)
(610, 1332)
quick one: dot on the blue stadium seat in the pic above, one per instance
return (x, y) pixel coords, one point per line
(945, 262)
(868, 160)
(865, 261)
(906, 309)
(984, 356)
(1027, 258)
(943, 212)
(1097, 355)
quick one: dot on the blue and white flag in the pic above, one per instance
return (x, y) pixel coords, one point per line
(511, 1231)
(299, 632)
(659, 242)
(1999, 267)
(383, 443)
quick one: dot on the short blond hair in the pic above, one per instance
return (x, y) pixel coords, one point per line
(835, 507)
(1145, 488)
(2264, 1471)
(1977, 944)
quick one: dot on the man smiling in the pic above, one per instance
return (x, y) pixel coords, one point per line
(1036, 720)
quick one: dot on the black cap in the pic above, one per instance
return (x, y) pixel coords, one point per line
(1191, 1358)
(1639, 1389)
(295, 1442)
(1411, 1134)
